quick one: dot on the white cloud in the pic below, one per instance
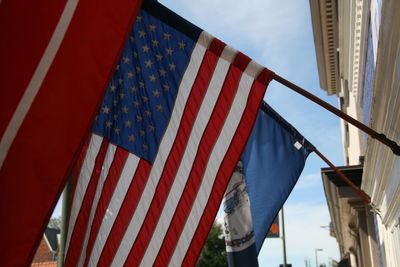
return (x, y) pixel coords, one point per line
(303, 235)
(220, 216)
(308, 181)
(261, 25)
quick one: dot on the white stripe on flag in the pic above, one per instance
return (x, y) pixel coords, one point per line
(82, 183)
(118, 196)
(185, 167)
(163, 152)
(216, 157)
(103, 175)
(37, 79)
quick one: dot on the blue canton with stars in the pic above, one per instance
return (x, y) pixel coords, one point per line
(139, 100)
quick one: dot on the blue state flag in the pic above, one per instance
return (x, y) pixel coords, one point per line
(270, 166)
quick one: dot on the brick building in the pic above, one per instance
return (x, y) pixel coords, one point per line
(46, 254)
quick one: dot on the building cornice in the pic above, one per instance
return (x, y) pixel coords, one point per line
(325, 29)
(340, 32)
(359, 19)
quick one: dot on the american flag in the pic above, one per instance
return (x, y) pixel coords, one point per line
(56, 58)
(166, 139)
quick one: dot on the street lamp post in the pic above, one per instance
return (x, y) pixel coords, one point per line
(316, 255)
(283, 238)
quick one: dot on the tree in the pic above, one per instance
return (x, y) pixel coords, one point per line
(55, 223)
(333, 263)
(213, 253)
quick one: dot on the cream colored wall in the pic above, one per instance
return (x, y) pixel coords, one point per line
(381, 179)
(353, 148)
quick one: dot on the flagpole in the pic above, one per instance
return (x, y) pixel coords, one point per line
(378, 136)
(64, 222)
(283, 238)
(361, 193)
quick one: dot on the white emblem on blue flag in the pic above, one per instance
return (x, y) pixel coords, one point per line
(238, 224)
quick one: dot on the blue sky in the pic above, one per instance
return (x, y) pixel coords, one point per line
(278, 35)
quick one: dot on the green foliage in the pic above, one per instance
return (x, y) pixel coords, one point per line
(213, 253)
(333, 263)
(55, 223)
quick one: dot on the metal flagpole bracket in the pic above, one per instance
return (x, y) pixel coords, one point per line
(392, 144)
(375, 209)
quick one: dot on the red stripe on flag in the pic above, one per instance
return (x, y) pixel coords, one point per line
(265, 76)
(241, 61)
(174, 158)
(108, 189)
(225, 172)
(78, 233)
(48, 139)
(206, 145)
(21, 28)
(217, 46)
(124, 216)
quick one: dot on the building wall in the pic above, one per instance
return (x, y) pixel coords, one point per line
(352, 136)
(368, 39)
(43, 253)
(377, 106)
(45, 264)
(369, 78)
(382, 178)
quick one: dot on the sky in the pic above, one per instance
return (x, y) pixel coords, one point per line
(278, 35)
